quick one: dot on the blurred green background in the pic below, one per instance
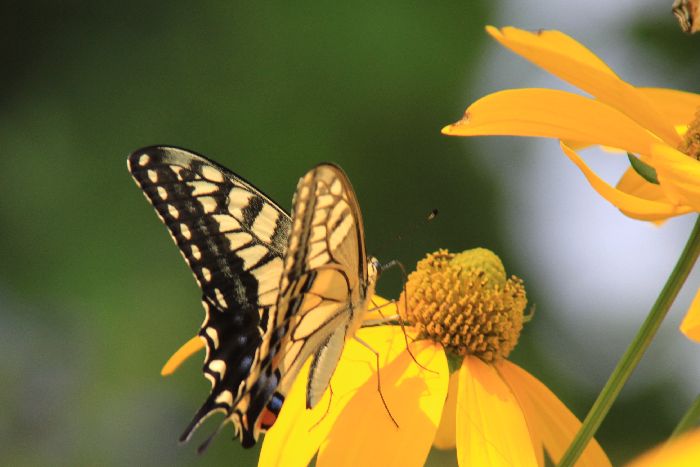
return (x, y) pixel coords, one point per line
(93, 294)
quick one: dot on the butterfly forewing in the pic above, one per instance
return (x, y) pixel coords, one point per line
(325, 282)
(233, 238)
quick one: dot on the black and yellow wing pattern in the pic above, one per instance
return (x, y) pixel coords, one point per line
(276, 289)
(233, 238)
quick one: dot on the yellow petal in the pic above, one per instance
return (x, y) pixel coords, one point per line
(546, 414)
(364, 433)
(679, 107)
(294, 438)
(527, 407)
(679, 175)
(579, 145)
(547, 43)
(683, 451)
(188, 349)
(446, 434)
(554, 114)
(633, 206)
(691, 323)
(491, 426)
(633, 184)
(562, 56)
(298, 433)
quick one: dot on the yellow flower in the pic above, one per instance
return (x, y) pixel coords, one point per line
(683, 451)
(660, 126)
(639, 120)
(467, 318)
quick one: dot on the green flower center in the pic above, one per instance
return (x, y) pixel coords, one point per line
(465, 302)
(691, 140)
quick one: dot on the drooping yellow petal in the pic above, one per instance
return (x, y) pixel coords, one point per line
(679, 175)
(633, 184)
(491, 426)
(633, 206)
(553, 114)
(445, 438)
(547, 415)
(683, 451)
(691, 323)
(577, 146)
(679, 107)
(564, 57)
(298, 433)
(188, 349)
(364, 433)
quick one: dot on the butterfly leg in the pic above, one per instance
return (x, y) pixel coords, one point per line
(398, 318)
(402, 323)
(378, 308)
(387, 320)
(379, 383)
(328, 409)
(394, 320)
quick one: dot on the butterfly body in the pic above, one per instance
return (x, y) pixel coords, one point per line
(276, 289)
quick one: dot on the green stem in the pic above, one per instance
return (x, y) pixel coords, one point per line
(690, 418)
(636, 349)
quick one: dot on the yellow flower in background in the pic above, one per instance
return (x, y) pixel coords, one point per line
(467, 318)
(690, 326)
(683, 451)
(643, 121)
(660, 126)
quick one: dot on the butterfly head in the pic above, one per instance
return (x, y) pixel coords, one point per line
(374, 270)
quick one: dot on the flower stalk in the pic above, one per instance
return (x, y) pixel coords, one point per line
(636, 349)
(689, 420)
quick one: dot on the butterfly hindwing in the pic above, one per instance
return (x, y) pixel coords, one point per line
(233, 238)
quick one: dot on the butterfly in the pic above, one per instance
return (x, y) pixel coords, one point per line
(276, 289)
(687, 12)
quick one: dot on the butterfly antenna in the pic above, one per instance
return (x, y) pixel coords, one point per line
(428, 218)
(402, 323)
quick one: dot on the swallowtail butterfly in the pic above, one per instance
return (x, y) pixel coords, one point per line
(276, 289)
